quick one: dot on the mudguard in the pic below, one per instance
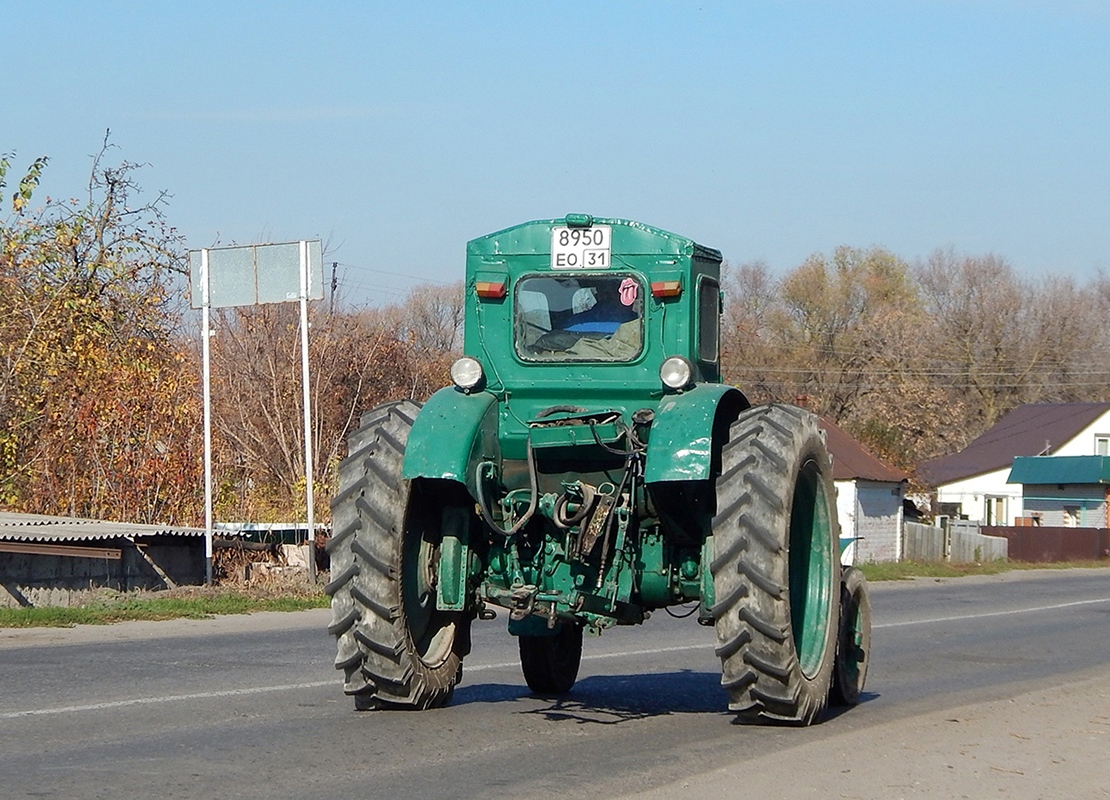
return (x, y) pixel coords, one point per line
(681, 445)
(452, 434)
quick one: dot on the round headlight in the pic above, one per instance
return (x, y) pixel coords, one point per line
(466, 373)
(677, 372)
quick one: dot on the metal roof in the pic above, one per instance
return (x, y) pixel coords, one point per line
(1060, 469)
(1029, 430)
(42, 528)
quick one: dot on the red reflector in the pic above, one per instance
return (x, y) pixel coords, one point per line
(494, 291)
(666, 288)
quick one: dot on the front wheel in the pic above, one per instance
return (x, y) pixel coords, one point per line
(776, 575)
(853, 650)
(550, 663)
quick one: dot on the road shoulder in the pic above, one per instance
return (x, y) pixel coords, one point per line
(131, 631)
(1038, 744)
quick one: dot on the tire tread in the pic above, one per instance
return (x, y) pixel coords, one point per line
(760, 463)
(370, 511)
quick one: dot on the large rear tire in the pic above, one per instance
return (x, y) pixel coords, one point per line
(396, 649)
(776, 575)
(853, 650)
(550, 663)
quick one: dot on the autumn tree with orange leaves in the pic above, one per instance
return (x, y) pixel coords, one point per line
(914, 360)
(100, 408)
(99, 413)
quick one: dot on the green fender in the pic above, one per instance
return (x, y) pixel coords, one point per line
(681, 444)
(453, 432)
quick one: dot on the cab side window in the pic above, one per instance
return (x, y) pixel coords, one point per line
(709, 319)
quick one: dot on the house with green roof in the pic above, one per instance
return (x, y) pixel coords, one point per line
(1064, 491)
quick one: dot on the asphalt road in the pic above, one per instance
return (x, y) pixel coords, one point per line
(251, 707)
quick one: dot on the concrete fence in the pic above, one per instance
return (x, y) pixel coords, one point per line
(923, 542)
(969, 546)
(960, 543)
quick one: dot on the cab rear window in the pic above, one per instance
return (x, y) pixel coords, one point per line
(579, 317)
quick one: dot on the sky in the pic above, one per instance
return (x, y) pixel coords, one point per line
(395, 131)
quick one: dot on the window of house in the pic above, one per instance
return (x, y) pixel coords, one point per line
(1071, 516)
(1102, 444)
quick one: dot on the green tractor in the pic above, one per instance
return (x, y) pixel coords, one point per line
(587, 468)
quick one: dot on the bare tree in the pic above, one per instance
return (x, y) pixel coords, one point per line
(984, 338)
(431, 318)
(750, 352)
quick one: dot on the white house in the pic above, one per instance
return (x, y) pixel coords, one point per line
(869, 498)
(973, 483)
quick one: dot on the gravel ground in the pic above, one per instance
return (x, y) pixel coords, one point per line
(1046, 743)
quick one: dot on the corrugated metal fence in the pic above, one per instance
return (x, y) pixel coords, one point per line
(1055, 544)
(960, 543)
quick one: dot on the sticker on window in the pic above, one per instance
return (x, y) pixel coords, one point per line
(628, 291)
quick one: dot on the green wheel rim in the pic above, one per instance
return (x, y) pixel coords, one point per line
(432, 636)
(811, 566)
(853, 654)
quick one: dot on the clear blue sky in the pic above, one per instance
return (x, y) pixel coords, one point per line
(397, 131)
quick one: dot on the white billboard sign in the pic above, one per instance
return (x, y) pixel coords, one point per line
(255, 274)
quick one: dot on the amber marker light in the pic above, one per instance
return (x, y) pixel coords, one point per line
(660, 289)
(490, 290)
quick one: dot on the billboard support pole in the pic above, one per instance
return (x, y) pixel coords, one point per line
(205, 335)
(307, 403)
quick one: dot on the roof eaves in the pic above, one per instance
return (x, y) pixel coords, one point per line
(41, 528)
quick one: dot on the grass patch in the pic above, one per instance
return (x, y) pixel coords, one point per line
(185, 603)
(200, 602)
(904, 570)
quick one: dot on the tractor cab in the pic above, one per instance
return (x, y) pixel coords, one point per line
(616, 296)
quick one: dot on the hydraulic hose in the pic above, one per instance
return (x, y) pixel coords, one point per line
(533, 480)
(558, 515)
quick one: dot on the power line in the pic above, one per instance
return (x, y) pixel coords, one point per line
(910, 372)
(872, 386)
(414, 278)
(871, 352)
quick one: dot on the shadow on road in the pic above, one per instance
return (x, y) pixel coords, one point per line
(831, 712)
(611, 699)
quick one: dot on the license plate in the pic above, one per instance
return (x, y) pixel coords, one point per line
(581, 248)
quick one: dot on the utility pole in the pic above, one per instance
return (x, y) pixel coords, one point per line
(334, 284)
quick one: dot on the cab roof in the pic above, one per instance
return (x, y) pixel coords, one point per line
(629, 238)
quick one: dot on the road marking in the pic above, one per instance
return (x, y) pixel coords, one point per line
(1010, 613)
(146, 701)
